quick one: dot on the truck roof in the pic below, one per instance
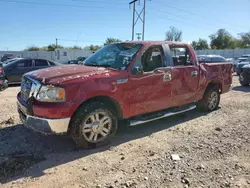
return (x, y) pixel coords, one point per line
(154, 42)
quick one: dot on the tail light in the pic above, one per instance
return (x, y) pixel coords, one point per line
(1, 70)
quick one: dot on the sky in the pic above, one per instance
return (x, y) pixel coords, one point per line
(25, 23)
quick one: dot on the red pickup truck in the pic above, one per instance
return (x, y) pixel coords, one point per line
(133, 81)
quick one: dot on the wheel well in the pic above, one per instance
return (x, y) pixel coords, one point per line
(215, 84)
(108, 101)
(112, 103)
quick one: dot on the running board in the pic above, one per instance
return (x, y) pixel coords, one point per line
(167, 114)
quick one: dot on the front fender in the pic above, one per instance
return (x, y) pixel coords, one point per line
(93, 89)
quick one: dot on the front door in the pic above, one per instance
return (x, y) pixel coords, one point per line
(185, 75)
(150, 83)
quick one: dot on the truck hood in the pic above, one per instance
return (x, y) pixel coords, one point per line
(62, 74)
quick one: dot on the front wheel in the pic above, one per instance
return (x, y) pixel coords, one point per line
(94, 124)
(210, 100)
(243, 80)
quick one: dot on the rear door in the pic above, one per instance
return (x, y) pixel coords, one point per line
(40, 64)
(185, 74)
(15, 72)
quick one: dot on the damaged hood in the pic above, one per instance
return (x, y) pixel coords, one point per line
(66, 73)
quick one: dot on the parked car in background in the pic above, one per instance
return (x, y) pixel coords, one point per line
(246, 55)
(137, 83)
(244, 77)
(239, 66)
(73, 62)
(70, 62)
(240, 59)
(17, 68)
(233, 61)
(7, 56)
(3, 81)
(10, 60)
(80, 60)
(211, 58)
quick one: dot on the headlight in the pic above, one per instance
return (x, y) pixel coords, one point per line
(51, 94)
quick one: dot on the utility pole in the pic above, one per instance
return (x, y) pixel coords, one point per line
(56, 42)
(133, 26)
(143, 19)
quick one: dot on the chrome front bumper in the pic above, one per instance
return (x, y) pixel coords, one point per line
(43, 125)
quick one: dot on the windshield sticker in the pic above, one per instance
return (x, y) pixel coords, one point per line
(127, 54)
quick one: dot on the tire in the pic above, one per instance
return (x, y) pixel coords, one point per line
(3, 87)
(210, 100)
(243, 80)
(86, 124)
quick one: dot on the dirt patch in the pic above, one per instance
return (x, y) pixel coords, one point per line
(189, 150)
(15, 164)
(9, 121)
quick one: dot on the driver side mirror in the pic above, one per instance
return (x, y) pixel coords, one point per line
(138, 70)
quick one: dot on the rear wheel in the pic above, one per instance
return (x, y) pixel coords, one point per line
(210, 100)
(243, 80)
(93, 125)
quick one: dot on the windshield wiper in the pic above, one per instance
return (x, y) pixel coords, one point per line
(94, 64)
(97, 65)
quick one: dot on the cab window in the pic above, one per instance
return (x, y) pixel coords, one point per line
(181, 56)
(152, 59)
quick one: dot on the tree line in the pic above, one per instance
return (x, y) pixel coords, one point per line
(221, 39)
(52, 47)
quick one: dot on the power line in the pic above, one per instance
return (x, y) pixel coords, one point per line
(106, 2)
(53, 4)
(76, 40)
(184, 10)
(183, 22)
(186, 18)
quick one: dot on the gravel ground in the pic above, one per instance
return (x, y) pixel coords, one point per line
(189, 150)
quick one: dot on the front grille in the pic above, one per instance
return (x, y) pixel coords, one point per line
(26, 86)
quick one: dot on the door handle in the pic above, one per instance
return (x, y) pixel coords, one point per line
(158, 71)
(194, 73)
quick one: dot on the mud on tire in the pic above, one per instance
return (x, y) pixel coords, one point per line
(210, 100)
(90, 119)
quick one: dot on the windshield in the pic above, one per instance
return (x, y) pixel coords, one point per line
(10, 60)
(116, 56)
(10, 63)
